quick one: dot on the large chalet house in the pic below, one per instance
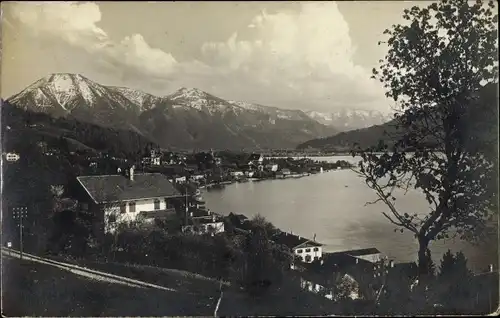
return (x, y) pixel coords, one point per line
(307, 250)
(114, 199)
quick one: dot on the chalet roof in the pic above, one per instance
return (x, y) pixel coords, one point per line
(292, 241)
(116, 188)
(363, 251)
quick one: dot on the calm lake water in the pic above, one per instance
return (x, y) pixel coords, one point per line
(332, 206)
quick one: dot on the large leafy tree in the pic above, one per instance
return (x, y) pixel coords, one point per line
(438, 65)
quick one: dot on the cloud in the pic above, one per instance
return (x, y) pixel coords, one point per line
(301, 59)
(307, 54)
(76, 24)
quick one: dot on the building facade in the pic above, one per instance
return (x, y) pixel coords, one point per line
(118, 199)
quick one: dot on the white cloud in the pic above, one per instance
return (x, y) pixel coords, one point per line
(308, 54)
(295, 59)
(76, 22)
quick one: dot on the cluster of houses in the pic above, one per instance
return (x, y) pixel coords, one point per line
(320, 271)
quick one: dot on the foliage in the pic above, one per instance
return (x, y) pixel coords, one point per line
(455, 289)
(260, 222)
(436, 68)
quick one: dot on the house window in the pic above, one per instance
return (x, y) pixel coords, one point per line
(123, 208)
(157, 204)
(308, 250)
(112, 218)
(308, 258)
(169, 204)
(299, 251)
(316, 249)
(131, 206)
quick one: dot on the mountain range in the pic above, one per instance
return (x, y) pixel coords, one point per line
(345, 119)
(186, 119)
(189, 118)
(481, 118)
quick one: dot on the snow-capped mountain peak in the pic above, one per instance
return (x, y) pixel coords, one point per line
(188, 93)
(347, 119)
(62, 88)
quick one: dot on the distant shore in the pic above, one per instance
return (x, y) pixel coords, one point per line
(290, 176)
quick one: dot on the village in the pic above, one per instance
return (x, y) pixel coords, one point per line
(161, 192)
(164, 190)
(256, 159)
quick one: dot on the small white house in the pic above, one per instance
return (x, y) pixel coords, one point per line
(249, 174)
(197, 177)
(237, 173)
(180, 179)
(348, 284)
(272, 167)
(156, 161)
(307, 250)
(11, 156)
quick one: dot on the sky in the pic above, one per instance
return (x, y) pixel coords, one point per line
(310, 55)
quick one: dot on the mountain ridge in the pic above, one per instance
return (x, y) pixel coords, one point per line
(345, 119)
(188, 117)
(481, 118)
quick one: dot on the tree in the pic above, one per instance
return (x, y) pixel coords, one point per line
(455, 285)
(260, 264)
(438, 65)
(260, 221)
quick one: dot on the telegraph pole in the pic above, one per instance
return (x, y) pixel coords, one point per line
(20, 213)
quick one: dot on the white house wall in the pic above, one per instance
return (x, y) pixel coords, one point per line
(312, 253)
(140, 206)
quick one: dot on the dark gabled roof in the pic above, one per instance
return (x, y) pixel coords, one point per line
(241, 217)
(254, 156)
(363, 251)
(115, 188)
(291, 240)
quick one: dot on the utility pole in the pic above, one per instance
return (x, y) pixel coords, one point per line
(20, 213)
(187, 208)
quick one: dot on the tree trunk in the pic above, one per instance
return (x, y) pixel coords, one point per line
(423, 257)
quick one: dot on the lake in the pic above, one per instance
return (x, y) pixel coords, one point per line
(332, 206)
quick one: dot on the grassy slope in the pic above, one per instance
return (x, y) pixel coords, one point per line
(33, 289)
(288, 300)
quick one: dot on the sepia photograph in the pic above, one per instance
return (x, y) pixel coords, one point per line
(249, 158)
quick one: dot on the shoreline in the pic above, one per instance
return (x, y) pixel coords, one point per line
(291, 176)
